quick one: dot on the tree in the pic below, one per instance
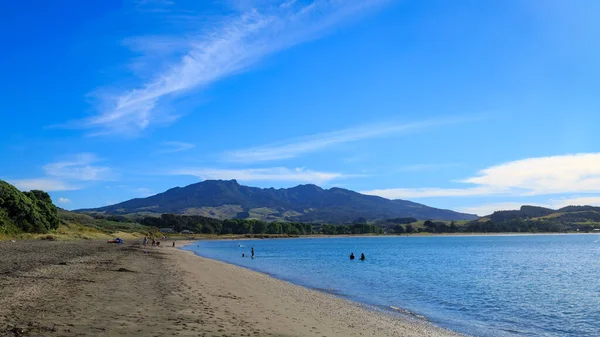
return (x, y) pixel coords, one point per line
(259, 227)
(442, 228)
(398, 229)
(409, 229)
(430, 226)
(453, 228)
(208, 229)
(274, 228)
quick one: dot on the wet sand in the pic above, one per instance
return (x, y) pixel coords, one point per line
(89, 288)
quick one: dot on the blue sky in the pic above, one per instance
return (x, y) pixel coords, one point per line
(468, 105)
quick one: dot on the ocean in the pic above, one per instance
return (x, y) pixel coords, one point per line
(514, 285)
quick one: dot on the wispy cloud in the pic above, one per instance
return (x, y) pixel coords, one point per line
(43, 184)
(225, 48)
(79, 168)
(67, 175)
(298, 146)
(64, 200)
(171, 147)
(575, 173)
(263, 174)
(416, 193)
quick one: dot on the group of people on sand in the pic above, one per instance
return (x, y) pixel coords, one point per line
(155, 243)
(362, 256)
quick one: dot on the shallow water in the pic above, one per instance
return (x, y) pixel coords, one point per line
(538, 285)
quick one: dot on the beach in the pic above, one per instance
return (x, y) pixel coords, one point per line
(91, 288)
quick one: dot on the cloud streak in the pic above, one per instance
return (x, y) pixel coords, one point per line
(574, 173)
(79, 168)
(44, 184)
(262, 174)
(67, 175)
(227, 48)
(172, 147)
(298, 146)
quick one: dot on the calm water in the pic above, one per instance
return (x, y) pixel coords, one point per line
(543, 285)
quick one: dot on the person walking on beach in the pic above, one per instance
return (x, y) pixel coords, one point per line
(153, 242)
(145, 241)
(252, 250)
(351, 256)
(362, 257)
(173, 243)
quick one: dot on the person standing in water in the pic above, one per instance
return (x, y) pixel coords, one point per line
(351, 256)
(252, 250)
(362, 257)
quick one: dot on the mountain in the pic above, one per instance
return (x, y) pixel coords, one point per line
(306, 203)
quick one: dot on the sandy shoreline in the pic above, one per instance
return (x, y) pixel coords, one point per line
(97, 289)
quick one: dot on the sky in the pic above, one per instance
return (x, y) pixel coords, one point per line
(468, 105)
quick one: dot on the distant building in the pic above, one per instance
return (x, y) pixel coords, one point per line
(166, 230)
(186, 232)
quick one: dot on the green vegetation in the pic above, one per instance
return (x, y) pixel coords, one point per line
(205, 225)
(530, 219)
(31, 212)
(359, 228)
(32, 215)
(106, 225)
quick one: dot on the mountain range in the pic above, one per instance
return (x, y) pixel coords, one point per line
(223, 199)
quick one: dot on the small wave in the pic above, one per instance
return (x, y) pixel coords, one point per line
(512, 331)
(406, 312)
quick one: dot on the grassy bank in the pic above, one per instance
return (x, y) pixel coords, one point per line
(75, 226)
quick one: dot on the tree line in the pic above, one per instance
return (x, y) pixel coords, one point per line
(205, 225)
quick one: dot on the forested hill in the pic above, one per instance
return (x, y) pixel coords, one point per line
(31, 212)
(304, 203)
(539, 219)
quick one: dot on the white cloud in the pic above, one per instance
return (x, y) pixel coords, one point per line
(64, 200)
(43, 184)
(575, 173)
(297, 146)
(262, 174)
(224, 49)
(78, 168)
(61, 175)
(171, 147)
(408, 193)
(546, 175)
